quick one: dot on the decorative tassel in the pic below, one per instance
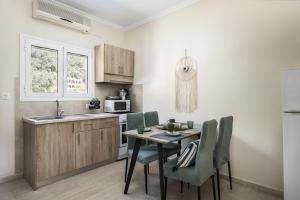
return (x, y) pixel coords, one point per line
(186, 94)
(186, 85)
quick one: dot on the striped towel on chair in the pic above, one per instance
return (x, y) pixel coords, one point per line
(187, 158)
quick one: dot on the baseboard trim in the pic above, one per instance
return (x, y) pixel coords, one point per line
(11, 178)
(255, 185)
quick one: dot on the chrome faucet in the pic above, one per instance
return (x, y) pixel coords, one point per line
(59, 111)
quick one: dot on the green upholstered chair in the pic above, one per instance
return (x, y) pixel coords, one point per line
(151, 118)
(203, 168)
(147, 153)
(221, 154)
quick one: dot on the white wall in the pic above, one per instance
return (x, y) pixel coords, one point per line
(241, 47)
(15, 19)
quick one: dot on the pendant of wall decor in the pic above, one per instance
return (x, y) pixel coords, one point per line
(186, 84)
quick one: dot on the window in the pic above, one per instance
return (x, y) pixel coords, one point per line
(52, 70)
(44, 70)
(77, 68)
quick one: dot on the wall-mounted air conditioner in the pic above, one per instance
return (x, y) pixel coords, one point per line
(61, 14)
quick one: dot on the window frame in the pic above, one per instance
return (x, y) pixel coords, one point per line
(26, 94)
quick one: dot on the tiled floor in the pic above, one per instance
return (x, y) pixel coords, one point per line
(107, 183)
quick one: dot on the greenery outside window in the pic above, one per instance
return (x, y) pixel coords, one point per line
(51, 70)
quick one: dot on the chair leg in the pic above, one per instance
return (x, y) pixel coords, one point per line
(135, 153)
(165, 159)
(166, 185)
(146, 181)
(199, 192)
(181, 186)
(213, 186)
(218, 184)
(126, 168)
(178, 154)
(229, 172)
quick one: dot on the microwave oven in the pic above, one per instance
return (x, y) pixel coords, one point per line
(116, 106)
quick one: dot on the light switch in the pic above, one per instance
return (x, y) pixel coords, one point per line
(4, 96)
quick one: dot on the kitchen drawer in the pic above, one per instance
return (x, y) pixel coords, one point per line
(109, 122)
(89, 125)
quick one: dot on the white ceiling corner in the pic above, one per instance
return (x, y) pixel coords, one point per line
(126, 14)
(160, 14)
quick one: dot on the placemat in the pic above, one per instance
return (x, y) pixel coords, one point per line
(164, 136)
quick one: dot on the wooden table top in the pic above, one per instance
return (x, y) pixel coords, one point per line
(154, 131)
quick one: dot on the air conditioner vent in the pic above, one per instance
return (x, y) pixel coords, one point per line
(55, 12)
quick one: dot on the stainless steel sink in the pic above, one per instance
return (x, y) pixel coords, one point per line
(56, 117)
(46, 118)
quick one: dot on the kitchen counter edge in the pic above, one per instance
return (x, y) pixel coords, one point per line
(84, 117)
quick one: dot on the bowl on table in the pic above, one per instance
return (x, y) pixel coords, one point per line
(147, 129)
(173, 134)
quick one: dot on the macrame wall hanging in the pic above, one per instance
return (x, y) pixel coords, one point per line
(186, 84)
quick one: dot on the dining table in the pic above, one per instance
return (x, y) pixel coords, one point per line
(159, 136)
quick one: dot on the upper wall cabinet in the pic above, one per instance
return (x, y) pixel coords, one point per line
(114, 64)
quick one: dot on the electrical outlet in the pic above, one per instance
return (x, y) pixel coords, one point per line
(4, 96)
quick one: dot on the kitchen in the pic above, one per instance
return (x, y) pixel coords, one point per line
(127, 54)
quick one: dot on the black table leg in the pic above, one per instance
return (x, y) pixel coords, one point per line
(161, 170)
(135, 153)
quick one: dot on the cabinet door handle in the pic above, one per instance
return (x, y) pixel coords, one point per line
(78, 138)
(73, 128)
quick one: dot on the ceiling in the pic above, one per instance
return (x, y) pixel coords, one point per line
(127, 13)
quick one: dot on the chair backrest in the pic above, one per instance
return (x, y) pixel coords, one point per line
(151, 118)
(204, 158)
(221, 154)
(134, 120)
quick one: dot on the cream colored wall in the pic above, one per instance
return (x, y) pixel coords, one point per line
(241, 47)
(15, 19)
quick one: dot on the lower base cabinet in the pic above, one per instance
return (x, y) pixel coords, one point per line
(54, 150)
(47, 151)
(95, 146)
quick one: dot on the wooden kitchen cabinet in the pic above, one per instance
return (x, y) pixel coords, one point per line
(109, 143)
(54, 149)
(47, 151)
(86, 146)
(57, 150)
(112, 59)
(127, 62)
(95, 146)
(114, 64)
(66, 147)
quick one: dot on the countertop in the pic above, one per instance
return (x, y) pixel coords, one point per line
(67, 118)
